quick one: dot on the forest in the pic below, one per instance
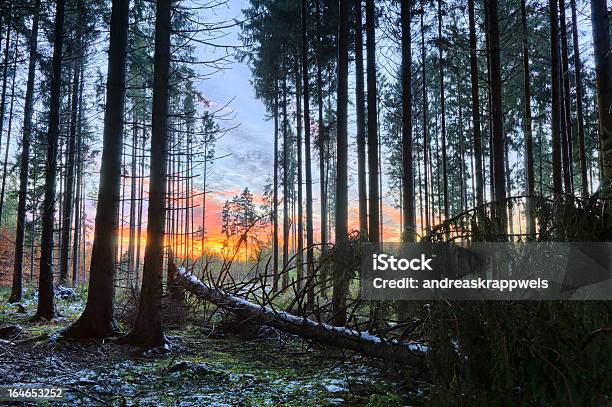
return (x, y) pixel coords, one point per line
(190, 189)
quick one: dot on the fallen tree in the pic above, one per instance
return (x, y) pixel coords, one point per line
(341, 337)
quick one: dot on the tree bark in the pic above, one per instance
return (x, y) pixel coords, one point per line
(497, 118)
(4, 84)
(527, 124)
(322, 136)
(66, 220)
(79, 191)
(148, 329)
(442, 114)
(409, 232)
(579, 109)
(556, 99)
(424, 107)
(133, 187)
(341, 221)
(603, 74)
(275, 218)
(24, 161)
(478, 171)
(306, 93)
(567, 115)
(361, 124)
(338, 336)
(285, 280)
(300, 201)
(97, 320)
(46, 307)
(373, 187)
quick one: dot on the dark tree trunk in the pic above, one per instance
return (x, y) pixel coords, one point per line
(556, 99)
(306, 91)
(409, 232)
(374, 215)
(341, 226)
(69, 176)
(10, 122)
(275, 218)
(442, 113)
(79, 190)
(603, 73)
(566, 105)
(361, 124)
(141, 198)
(497, 117)
(46, 307)
(24, 161)
(4, 85)
(323, 147)
(300, 213)
(148, 329)
(579, 109)
(424, 108)
(97, 320)
(478, 171)
(133, 187)
(285, 282)
(529, 176)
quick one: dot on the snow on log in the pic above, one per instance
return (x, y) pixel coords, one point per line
(342, 337)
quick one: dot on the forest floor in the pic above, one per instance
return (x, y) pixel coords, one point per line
(203, 366)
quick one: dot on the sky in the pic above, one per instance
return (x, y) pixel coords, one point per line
(248, 147)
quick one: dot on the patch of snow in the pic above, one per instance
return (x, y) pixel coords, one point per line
(332, 388)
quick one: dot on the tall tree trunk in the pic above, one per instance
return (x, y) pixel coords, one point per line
(489, 116)
(24, 161)
(306, 92)
(361, 124)
(341, 218)
(4, 86)
(148, 328)
(300, 212)
(374, 215)
(424, 108)
(603, 74)
(527, 122)
(323, 153)
(567, 115)
(46, 307)
(10, 123)
(68, 193)
(409, 232)
(556, 99)
(479, 177)
(275, 215)
(79, 192)
(442, 113)
(497, 117)
(579, 108)
(141, 198)
(97, 320)
(285, 281)
(133, 187)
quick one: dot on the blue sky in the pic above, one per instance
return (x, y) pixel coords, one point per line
(251, 143)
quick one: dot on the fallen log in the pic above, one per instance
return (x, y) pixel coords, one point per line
(341, 337)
